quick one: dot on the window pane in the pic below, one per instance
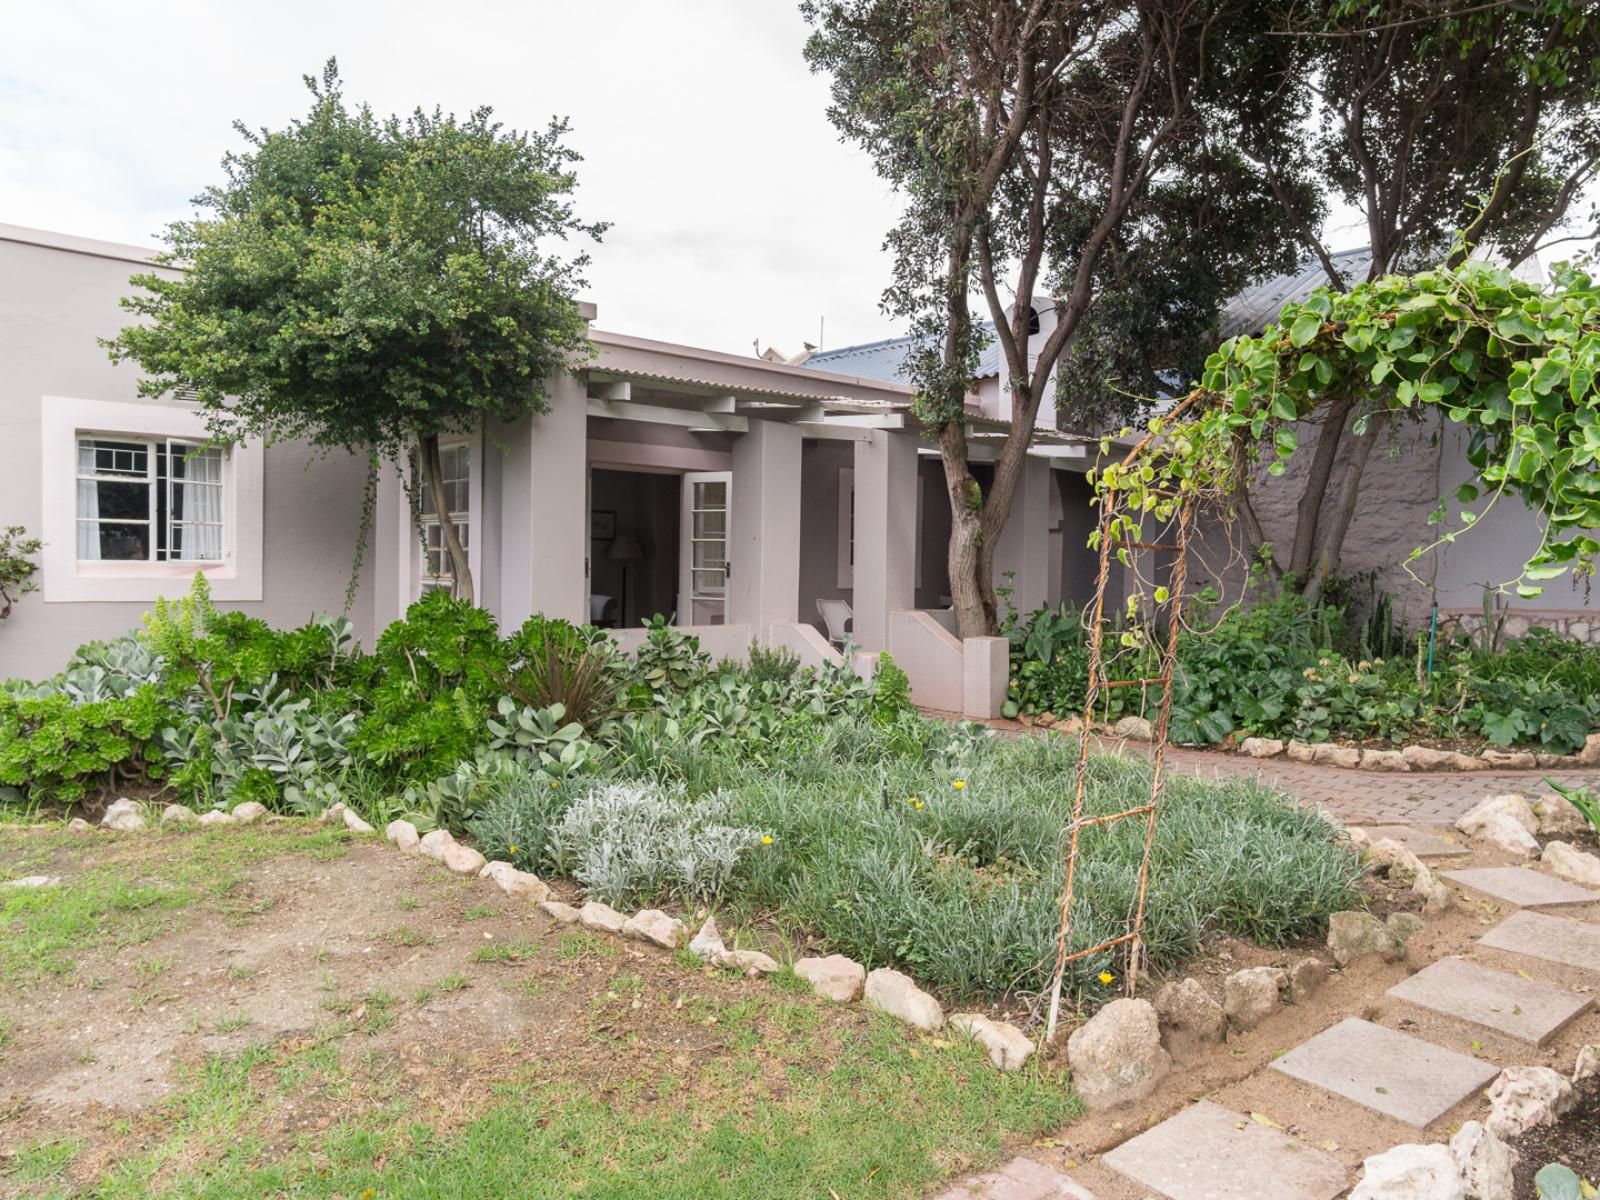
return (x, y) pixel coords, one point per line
(197, 543)
(709, 554)
(710, 524)
(711, 495)
(192, 464)
(114, 501)
(116, 458)
(116, 542)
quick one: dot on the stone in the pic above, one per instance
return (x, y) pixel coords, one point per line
(1384, 760)
(404, 835)
(124, 816)
(1509, 760)
(1383, 853)
(1191, 1021)
(1411, 1173)
(1509, 804)
(1522, 887)
(1588, 1064)
(1359, 838)
(434, 843)
(1207, 1152)
(1306, 978)
(707, 944)
(835, 977)
(1298, 751)
(1357, 935)
(1425, 758)
(520, 885)
(1326, 754)
(1589, 756)
(1389, 1072)
(31, 881)
(1557, 817)
(1523, 1097)
(602, 917)
(1438, 899)
(1566, 859)
(1554, 939)
(1485, 1162)
(656, 927)
(1525, 1009)
(563, 914)
(179, 814)
(79, 825)
(1250, 996)
(217, 817)
(748, 962)
(1135, 729)
(334, 812)
(1407, 868)
(1019, 1179)
(249, 812)
(1256, 747)
(463, 860)
(1402, 926)
(1116, 1056)
(893, 993)
(354, 823)
(1009, 1048)
(1421, 843)
(1504, 832)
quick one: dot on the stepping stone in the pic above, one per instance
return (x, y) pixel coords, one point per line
(1391, 1073)
(1521, 1008)
(1522, 887)
(1207, 1152)
(1423, 845)
(1019, 1179)
(1554, 939)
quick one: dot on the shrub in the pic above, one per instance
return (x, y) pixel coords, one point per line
(517, 819)
(58, 749)
(561, 664)
(669, 660)
(16, 566)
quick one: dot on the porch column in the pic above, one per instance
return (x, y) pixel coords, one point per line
(885, 534)
(543, 507)
(764, 528)
(1025, 542)
(394, 550)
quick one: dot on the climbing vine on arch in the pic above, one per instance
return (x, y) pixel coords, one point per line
(1514, 363)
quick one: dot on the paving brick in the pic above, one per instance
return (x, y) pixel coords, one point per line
(1019, 1179)
(1389, 1072)
(1207, 1152)
(1523, 887)
(1554, 939)
(1420, 843)
(1525, 1009)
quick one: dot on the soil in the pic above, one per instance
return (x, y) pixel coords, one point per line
(1573, 1140)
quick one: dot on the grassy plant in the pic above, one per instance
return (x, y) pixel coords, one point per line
(452, 982)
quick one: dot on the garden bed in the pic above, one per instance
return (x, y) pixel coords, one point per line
(1573, 1140)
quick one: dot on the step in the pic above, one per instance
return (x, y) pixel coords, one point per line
(1207, 1152)
(1525, 1009)
(1554, 939)
(1389, 1072)
(1522, 887)
(1019, 1179)
(1419, 842)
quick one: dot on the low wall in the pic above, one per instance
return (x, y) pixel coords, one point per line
(719, 641)
(931, 657)
(806, 643)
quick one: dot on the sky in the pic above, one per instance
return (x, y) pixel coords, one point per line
(737, 215)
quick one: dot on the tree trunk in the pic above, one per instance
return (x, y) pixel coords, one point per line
(1345, 511)
(1316, 488)
(974, 604)
(433, 479)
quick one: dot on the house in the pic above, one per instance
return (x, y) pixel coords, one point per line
(732, 491)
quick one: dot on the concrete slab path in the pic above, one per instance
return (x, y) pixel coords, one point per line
(1525, 1009)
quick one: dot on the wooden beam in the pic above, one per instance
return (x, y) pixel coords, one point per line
(657, 414)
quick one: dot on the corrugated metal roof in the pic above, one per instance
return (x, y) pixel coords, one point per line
(1253, 309)
(886, 360)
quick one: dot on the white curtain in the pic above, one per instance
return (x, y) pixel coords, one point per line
(196, 503)
(88, 505)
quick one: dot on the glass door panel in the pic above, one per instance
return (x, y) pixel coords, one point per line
(704, 557)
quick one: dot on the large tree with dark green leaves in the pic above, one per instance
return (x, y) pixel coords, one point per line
(369, 284)
(1064, 156)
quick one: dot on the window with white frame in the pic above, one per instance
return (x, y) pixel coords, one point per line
(455, 459)
(149, 500)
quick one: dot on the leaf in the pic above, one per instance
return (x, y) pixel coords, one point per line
(1263, 1119)
(1557, 1181)
(1305, 328)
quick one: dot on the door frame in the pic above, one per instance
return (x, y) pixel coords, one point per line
(686, 543)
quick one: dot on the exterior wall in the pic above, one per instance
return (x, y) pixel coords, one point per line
(58, 298)
(821, 460)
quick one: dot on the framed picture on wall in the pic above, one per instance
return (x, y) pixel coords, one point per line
(602, 525)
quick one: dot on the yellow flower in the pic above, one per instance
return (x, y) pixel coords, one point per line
(1107, 977)
(766, 839)
(1353, 679)
(555, 783)
(368, 1194)
(513, 849)
(918, 804)
(959, 784)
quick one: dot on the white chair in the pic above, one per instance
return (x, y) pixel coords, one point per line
(836, 614)
(597, 608)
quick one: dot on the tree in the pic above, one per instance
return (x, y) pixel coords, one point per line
(1456, 127)
(369, 285)
(17, 567)
(1056, 154)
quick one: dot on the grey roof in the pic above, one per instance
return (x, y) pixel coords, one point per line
(1253, 309)
(886, 360)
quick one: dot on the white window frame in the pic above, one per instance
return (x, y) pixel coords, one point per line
(65, 578)
(417, 578)
(162, 530)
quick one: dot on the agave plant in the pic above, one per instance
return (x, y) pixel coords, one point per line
(562, 664)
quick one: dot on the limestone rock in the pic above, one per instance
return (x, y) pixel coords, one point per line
(1438, 899)
(1411, 1173)
(1565, 859)
(79, 825)
(1256, 747)
(1299, 751)
(1360, 839)
(463, 860)
(1135, 729)
(1007, 1045)
(1306, 978)
(1589, 756)
(653, 925)
(893, 993)
(564, 914)
(1401, 926)
(520, 885)
(179, 814)
(707, 944)
(217, 817)
(1190, 1020)
(1384, 760)
(835, 977)
(1485, 1163)
(354, 823)
(1425, 758)
(1357, 935)
(1407, 868)
(1588, 1064)
(31, 881)
(1510, 804)
(1326, 754)
(1509, 760)
(1116, 1057)
(1557, 817)
(1250, 996)
(748, 962)
(434, 843)
(249, 812)
(124, 816)
(1523, 1097)
(404, 835)
(334, 812)
(603, 917)
(1384, 853)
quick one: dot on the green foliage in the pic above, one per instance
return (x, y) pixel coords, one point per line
(1557, 1181)
(1582, 799)
(58, 750)
(669, 660)
(564, 665)
(16, 566)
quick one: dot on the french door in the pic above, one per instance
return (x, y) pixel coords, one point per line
(703, 565)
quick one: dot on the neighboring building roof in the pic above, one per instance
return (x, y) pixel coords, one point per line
(886, 360)
(1253, 309)
(143, 255)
